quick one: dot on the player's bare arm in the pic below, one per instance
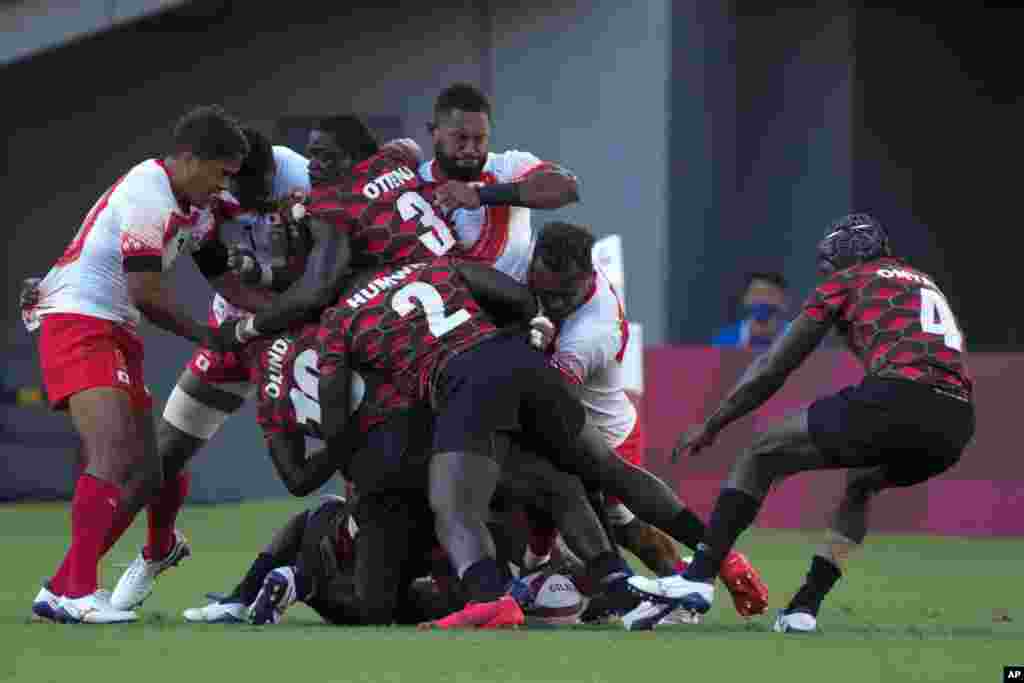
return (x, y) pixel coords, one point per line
(301, 475)
(319, 286)
(155, 301)
(502, 296)
(760, 382)
(335, 394)
(549, 188)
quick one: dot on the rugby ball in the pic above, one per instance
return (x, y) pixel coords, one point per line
(556, 600)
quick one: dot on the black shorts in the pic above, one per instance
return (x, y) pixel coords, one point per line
(503, 384)
(910, 428)
(395, 454)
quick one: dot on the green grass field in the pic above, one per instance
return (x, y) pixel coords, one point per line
(910, 609)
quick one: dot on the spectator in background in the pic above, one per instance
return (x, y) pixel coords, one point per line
(764, 314)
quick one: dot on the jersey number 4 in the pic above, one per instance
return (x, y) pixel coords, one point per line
(440, 238)
(937, 318)
(439, 323)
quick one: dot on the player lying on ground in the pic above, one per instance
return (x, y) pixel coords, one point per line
(907, 421)
(90, 303)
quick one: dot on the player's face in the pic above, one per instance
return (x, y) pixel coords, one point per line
(559, 292)
(460, 144)
(327, 160)
(764, 299)
(202, 179)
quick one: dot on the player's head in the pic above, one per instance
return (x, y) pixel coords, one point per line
(852, 239)
(461, 131)
(335, 145)
(562, 270)
(209, 148)
(254, 182)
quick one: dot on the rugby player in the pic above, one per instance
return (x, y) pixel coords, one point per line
(490, 194)
(91, 355)
(213, 384)
(589, 342)
(907, 421)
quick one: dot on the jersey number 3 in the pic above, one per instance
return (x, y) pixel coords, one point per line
(440, 238)
(937, 318)
(440, 324)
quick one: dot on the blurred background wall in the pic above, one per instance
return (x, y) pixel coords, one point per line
(715, 137)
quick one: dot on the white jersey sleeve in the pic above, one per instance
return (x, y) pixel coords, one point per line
(513, 165)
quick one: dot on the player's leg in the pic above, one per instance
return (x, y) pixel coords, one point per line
(94, 369)
(537, 483)
(784, 449)
(113, 446)
(196, 409)
(283, 550)
(921, 437)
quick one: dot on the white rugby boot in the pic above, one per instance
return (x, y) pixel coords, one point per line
(695, 596)
(794, 622)
(92, 609)
(218, 613)
(136, 584)
(45, 606)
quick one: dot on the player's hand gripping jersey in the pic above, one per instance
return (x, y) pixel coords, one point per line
(138, 224)
(498, 235)
(251, 230)
(406, 321)
(386, 210)
(897, 322)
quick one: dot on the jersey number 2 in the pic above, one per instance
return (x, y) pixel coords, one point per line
(440, 239)
(433, 306)
(937, 318)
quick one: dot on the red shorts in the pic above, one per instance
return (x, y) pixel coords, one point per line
(632, 451)
(220, 368)
(79, 352)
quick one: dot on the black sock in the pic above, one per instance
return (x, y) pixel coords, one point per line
(820, 579)
(688, 529)
(483, 581)
(734, 511)
(249, 588)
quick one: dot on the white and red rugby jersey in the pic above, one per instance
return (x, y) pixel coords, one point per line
(498, 235)
(588, 349)
(138, 216)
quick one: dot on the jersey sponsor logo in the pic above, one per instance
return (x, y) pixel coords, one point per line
(900, 274)
(388, 182)
(381, 284)
(275, 366)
